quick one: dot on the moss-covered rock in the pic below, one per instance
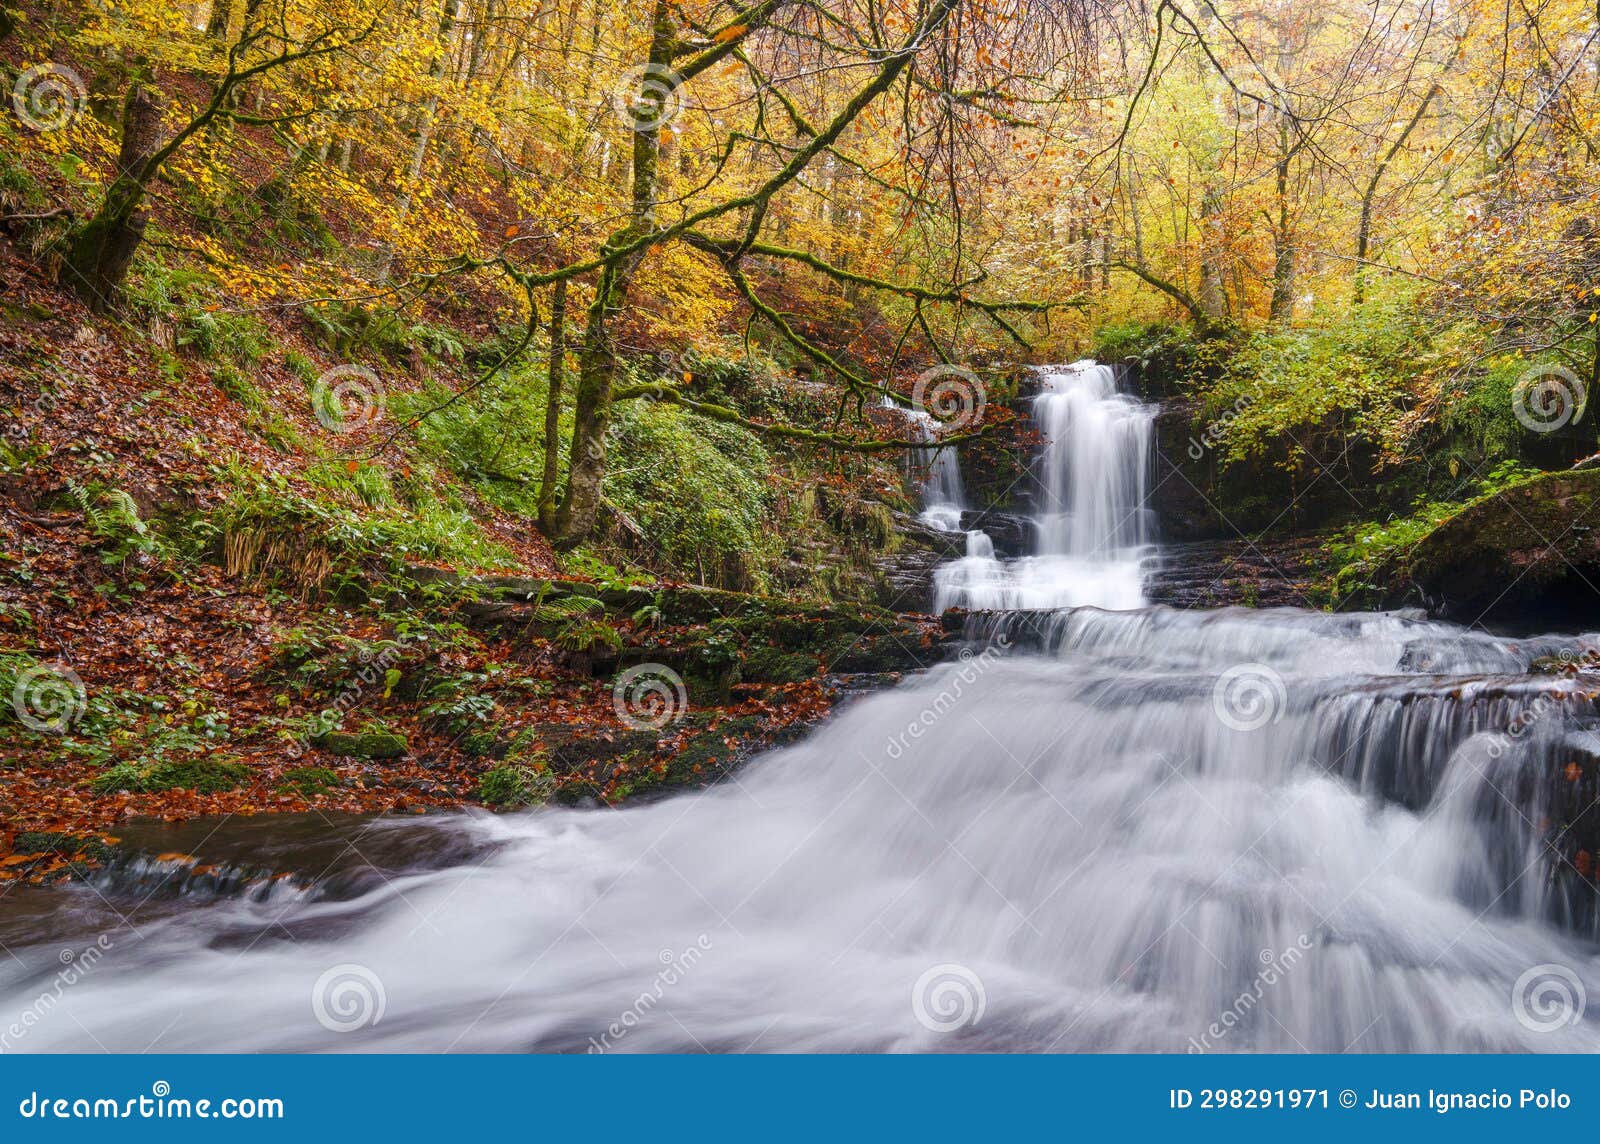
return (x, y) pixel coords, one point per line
(372, 743)
(203, 774)
(57, 842)
(1534, 546)
(309, 781)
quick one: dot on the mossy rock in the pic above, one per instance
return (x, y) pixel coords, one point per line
(370, 744)
(57, 842)
(202, 775)
(1532, 547)
(774, 665)
(708, 756)
(572, 749)
(309, 781)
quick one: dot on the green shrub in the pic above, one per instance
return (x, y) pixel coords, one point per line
(493, 437)
(1292, 396)
(239, 387)
(218, 335)
(270, 528)
(113, 519)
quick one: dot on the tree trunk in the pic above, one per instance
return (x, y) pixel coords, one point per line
(597, 367)
(1212, 298)
(1364, 233)
(220, 19)
(100, 251)
(552, 409)
(1282, 306)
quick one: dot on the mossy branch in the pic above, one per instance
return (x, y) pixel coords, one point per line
(661, 391)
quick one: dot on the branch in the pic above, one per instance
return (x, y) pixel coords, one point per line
(661, 391)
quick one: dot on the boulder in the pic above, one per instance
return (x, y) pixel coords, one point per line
(1533, 548)
(370, 744)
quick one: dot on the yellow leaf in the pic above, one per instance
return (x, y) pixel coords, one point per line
(731, 32)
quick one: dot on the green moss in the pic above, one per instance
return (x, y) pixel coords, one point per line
(1367, 561)
(309, 781)
(368, 743)
(204, 774)
(699, 490)
(514, 784)
(57, 842)
(1508, 547)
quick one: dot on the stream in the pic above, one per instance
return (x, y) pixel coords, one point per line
(1106, 826)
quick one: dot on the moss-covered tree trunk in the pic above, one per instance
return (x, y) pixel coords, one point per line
(552, 408)
(100, 251)
(597, 361)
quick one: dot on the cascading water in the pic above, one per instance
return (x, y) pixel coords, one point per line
(1135, 830)
(1093, 529)
(1341, 819)
(943, 497)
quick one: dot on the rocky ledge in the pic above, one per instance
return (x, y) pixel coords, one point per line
(1531, 551)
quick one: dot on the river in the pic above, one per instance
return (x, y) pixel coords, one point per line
(1106, 826)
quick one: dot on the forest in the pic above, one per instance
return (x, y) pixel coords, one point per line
(311, 303)
(425, 407)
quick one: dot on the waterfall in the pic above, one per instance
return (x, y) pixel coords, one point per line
(1092, 528)
(942, 496)
(1102, 828)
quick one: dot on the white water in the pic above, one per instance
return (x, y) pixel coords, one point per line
(1093, 528)
(1090, 835)
(1152, 830)
(942, 495)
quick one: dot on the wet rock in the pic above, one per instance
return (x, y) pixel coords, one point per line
(63, 844)
(1263, 573)
(1013, 535)
(1531, 550)
(1184, 473)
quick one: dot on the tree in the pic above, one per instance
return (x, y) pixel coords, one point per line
(99, 251)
